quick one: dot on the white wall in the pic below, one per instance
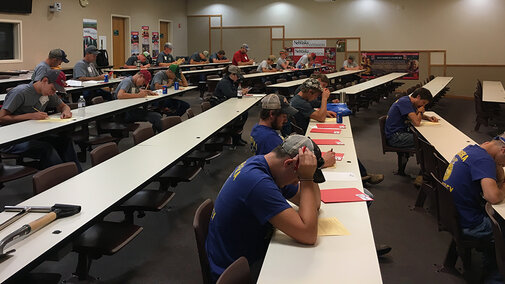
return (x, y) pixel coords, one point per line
(470, 30)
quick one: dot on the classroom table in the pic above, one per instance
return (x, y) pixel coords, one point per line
(187, 66)
(17, 80)
(492, 91)
(296, 83)
(89, 85)
(22, 131)
(333, 259)
(272, 74)
(436, 85)
(101, 187)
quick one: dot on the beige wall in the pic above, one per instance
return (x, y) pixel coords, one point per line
(470, 30)
(43, 31)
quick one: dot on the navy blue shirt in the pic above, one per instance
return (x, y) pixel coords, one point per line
(305, 110)
(239, 225)
(196, 57)
(397, 115)
(264, 139)
(215, 57)
(462, 178)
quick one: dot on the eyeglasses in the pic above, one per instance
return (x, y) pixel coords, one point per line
(499, 138)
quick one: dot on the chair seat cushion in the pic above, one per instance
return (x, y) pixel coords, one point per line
(148, 200)
(106, 238)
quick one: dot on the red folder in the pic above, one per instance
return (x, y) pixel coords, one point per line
(328, 142)
(331, 125)
(343, 195)
(338, 156)
(325, 130)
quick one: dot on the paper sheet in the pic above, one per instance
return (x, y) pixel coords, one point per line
(339, 176)
(57, 119)
(331, 227)
(74, 83)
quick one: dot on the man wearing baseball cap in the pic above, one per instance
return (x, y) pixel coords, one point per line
(306, 60)
(131, 63)
(266, 65)
(54, 59)
(29, 102)
(167, 78)
(129, 88)
(86, 70)
(199, 58)
(254, 199)
(218, 57)
(240, 57)
(282, 62)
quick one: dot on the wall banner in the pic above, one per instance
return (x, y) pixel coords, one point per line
(90, 34)
(135, 42)
(156, 44)
(309, 43)
(145, 38)
(378, 63)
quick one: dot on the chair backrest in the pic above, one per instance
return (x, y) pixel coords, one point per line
(190, 113)
(448, 217)
(73, 105)
(208, 67)
(303, 76)
(52, 176)
(339, 86)
(141, 134)
(281, 80)
(431, 77)
(97, 100)
(169, 121)
(103, 153)
(237, 272)
(294, 78)
(499, 240)
(428, 160)
(382, 125)
(201, 227)
(441, 165)
(205, 106)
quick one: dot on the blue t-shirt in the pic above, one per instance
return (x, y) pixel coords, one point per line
(264, 139)
(215, 57)
(462, 178)
(239, 225)
(397, 115)
(196, 57)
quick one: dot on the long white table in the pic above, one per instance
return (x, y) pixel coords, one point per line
(492, 91)
(269, 74)
(27, 129)
(333, 259)
(358, 88)
(296, 83)
(437, 84)
(111, 182)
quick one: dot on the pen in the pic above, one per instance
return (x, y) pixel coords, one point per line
(36, 109)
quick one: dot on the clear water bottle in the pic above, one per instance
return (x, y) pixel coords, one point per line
(239, 92)
(81, 103)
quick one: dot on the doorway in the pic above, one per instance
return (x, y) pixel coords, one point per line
(165, 32)
(119, 40)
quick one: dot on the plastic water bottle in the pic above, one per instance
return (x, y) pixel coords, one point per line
(239, 92)
(81, 103)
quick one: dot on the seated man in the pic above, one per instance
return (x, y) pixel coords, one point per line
(307, 60)
(266, 65)
(253, 200)
(129, 88)
(350, 64)
(218, 57)
(407, 108)
(240, 57)
(199, 58)
(474, 176)
(85, 70)
(134, 60)
(167, 78)
(165, 58)
(29, 101)
(282, 63)
(53, 60)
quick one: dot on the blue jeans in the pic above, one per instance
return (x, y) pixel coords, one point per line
(50, 150)
(401, 140)
(140, 114)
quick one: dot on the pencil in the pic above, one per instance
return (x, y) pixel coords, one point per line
(36, 109)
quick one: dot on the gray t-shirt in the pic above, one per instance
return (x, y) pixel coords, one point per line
(303, 61)
(196, 57)
(85, 69)
(127, 85)
(24, 99)
(264, 64)
(40, 71)
(132, 61)
(159, 78)
(165, 58)
(347, 64)
(280, 62)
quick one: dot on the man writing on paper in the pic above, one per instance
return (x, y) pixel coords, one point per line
(199, 58)
(28, 102)
(407, 108)
(475, 175)
(85, 70)
(129, 88)
(218, 57)
(240, 57)
(350, 64)
(165, 58)
(141, 59)
(266, 65)
(253, 200)
(168, 78)
(282, 63)
(54, 59)
(307, 60)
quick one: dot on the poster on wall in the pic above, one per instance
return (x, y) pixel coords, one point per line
(379, 63)
(145, 38)
(340, 45)
(135, 42)
(156, 44)
(309, 43)
(90, 34)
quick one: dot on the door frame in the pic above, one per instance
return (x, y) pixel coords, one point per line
(128, 27)
(171, 30)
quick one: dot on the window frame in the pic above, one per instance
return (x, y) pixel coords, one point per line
(18, 41)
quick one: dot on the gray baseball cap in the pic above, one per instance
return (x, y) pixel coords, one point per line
(312, 83)
(205, 53)
(295, 142)
(169, 45)
(91, 50)
(244, 45)
(58, 53)
(232, 69)
(274, 101)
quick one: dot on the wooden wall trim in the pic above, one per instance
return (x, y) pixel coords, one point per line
(469, 65)
(249, 27)
(204, 15)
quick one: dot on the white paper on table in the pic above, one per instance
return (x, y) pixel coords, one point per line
(91, 83)
(74, 83)
(339, 176)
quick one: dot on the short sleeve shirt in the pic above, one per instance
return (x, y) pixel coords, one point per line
(165, 58)
(85, 69)
(159, 78)
(24, 99)
(40, 71)
(215, 57)
(350, 65)
(280, 62)
(264, 139)
(239, 57)
(305, 109)
(397, 115)
(264, 64)
(127, 85)
(239, 224)
(462, 178)
(303, 60)
(196, 57)
(132, 61)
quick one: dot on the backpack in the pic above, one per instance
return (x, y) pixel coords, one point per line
(102, 59)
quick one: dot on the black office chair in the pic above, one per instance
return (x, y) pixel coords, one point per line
(201, 228)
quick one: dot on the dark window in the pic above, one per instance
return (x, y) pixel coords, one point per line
(6, 41)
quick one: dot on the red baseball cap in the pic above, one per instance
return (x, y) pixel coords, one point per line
(147, 76)
(57, 78)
